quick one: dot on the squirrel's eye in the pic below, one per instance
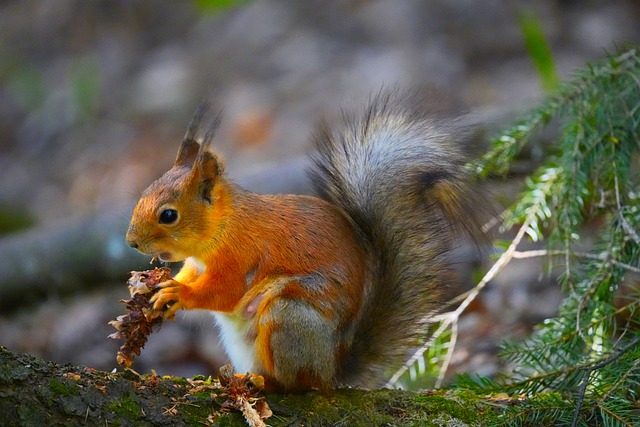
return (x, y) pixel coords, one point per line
(168, 216)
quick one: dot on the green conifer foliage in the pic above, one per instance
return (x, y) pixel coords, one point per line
(582, 367)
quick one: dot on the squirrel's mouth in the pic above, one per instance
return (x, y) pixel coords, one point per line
(165, 256)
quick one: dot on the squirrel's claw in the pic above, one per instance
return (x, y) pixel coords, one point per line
(167, 299)
(170, 313)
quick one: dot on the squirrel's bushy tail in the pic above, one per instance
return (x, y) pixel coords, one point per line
(398, 173)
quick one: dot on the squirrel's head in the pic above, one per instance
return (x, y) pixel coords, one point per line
(187, 202)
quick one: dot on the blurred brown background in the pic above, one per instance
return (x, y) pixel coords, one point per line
(95, 97)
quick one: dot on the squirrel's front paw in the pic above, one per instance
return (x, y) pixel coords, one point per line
(167, 295)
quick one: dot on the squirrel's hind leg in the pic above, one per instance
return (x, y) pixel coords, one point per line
(298, 345)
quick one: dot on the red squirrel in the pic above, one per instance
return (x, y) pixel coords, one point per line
(317, 292)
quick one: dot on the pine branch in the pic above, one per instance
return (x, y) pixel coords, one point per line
(581, 366)
(509, 143)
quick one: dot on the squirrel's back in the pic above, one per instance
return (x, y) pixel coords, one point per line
(398, 172)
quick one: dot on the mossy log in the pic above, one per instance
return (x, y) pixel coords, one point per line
(34, 392)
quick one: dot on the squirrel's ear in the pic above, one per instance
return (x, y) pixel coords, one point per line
(199, 135)
(206, 170)
(187, 153)
(207, 166)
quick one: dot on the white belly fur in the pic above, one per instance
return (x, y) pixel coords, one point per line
(232, 333)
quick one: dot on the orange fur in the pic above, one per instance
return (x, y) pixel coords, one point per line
(246, 245)
(316, 292)
(246, 248)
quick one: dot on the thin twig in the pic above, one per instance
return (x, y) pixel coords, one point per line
(452, 316)
(447, 319)
(599, 257)
(494, 221)
(560, 252)
(625, 224)
(449, 356)
(629, 229)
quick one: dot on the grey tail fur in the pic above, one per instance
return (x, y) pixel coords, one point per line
(397, 171)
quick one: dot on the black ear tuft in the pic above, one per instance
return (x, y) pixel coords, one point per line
(200, 133)
(187, 153)
(204, 124)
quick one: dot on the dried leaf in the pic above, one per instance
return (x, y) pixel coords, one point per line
(263, 409)
(72, 375)
(242, 393)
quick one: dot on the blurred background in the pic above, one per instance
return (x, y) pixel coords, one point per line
(95, 97)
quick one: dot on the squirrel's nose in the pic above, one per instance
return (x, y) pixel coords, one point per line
(131, 240)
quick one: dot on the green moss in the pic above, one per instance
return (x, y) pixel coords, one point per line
(62, 388)
(176, 380)
(381, 407)
(125, 407)
(231, 420)
(463, 407)
(202, 395)
(197, 415)
(344, 407)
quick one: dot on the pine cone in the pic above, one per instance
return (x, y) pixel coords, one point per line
(135, 326)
